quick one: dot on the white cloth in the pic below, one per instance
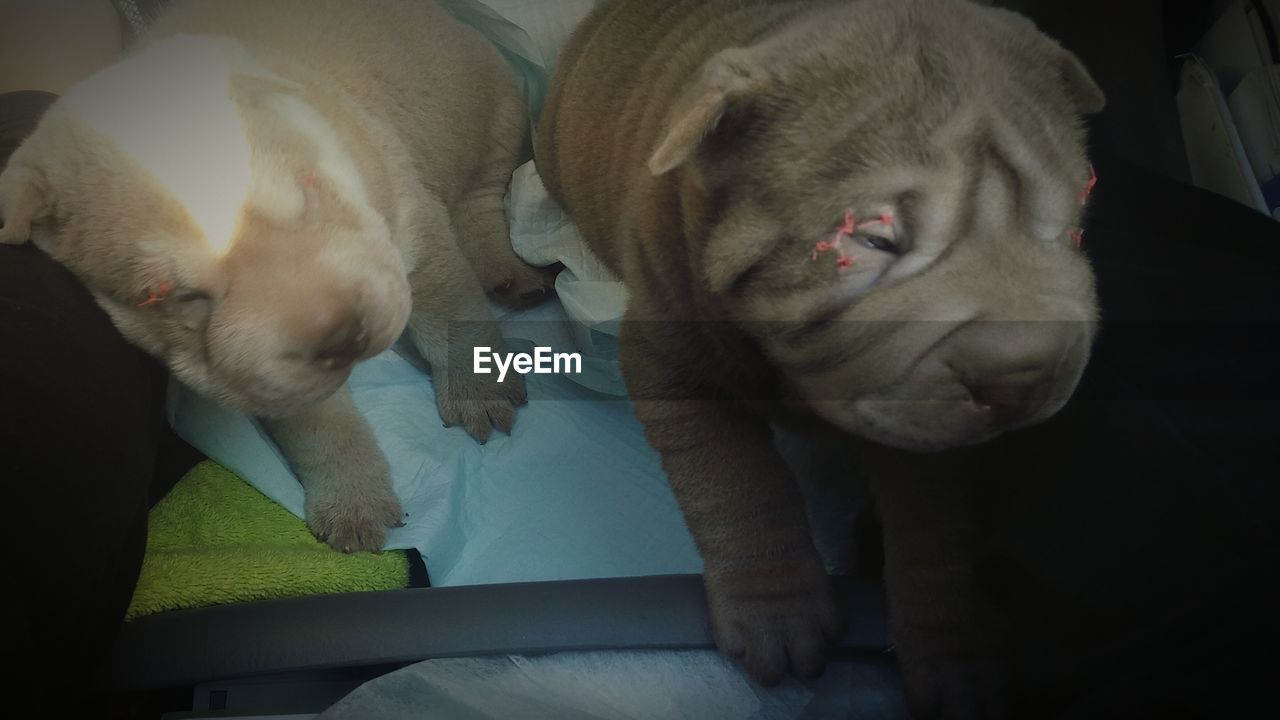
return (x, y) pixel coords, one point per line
(619, 685)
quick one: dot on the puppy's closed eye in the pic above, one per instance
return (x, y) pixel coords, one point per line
(191, 307)
(190, 296)
(883, 244)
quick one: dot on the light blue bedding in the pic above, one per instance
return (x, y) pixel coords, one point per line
(573, 492)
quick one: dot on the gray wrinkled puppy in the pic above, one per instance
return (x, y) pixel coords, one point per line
(263, 194)
(862, 213)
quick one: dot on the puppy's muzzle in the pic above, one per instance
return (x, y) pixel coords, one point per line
(1017, 371)
(333, 331)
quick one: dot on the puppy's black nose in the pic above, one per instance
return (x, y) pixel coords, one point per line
(344, 344)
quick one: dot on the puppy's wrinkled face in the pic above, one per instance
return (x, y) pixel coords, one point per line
(897, 190)
(218, 218)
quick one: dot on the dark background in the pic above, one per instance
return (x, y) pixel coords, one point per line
(1137, 546)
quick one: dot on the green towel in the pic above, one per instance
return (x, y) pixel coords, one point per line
(215, 540)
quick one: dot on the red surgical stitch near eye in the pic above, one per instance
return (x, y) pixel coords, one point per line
(1089, 186)
(158, 294)
(1078, 237)
(847, 228)
(885, 219)
(823, 246)
(850, 224)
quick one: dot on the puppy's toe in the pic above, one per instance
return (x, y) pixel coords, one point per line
(517, 395)
(354, 524)
(789, 628)
(476, 422)
(806, 649)
(503, 416)
(351, 535)
(765, 658)
(480, 406)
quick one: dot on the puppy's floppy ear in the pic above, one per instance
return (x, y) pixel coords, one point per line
(23, 200)
(1081, 88)
(729, 77)
(1084, 93)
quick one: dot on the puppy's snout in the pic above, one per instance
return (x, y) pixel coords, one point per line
(331, 331)
(1013, 399)
(345, 343)
(1013, 368)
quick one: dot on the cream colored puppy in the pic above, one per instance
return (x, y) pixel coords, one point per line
(263, 194)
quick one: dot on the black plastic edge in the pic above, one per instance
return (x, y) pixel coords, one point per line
(188, 647)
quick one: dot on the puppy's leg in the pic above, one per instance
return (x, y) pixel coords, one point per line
(450, 319)
(481, 218)
(949, 638)
(349, 503)
(770, 599)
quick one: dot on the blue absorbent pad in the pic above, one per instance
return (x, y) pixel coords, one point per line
(573, 492)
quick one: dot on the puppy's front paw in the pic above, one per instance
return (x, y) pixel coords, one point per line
(479, 403)
(963, 686)
(355, 520)
(775, 623)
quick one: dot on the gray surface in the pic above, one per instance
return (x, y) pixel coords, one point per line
(189, 647)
